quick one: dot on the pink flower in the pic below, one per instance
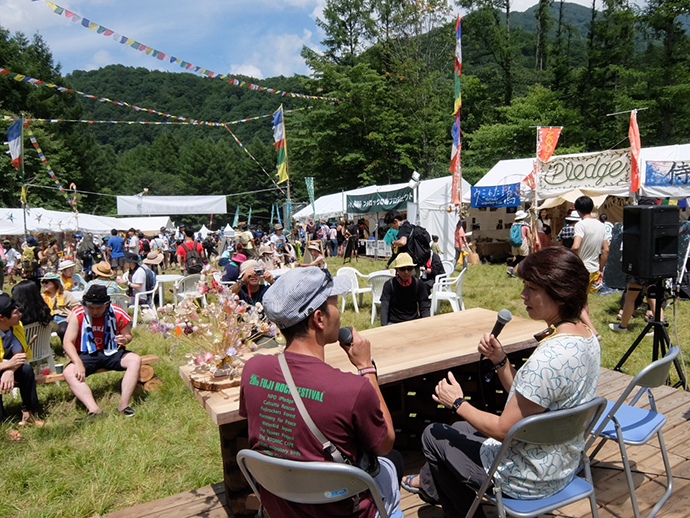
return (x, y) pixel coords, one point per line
(208, 356)
(198, 360)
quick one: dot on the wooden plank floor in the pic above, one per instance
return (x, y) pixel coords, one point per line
(611, 489)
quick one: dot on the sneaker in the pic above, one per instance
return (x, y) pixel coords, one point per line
(127, 412)
(618, 328)
(89, 417)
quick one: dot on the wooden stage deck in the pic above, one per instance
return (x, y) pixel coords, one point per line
(609, 479)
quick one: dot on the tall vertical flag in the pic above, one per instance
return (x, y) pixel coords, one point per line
(14, 141)
(278, 214)
(635, 145)
(249, 218)
(236, 219)
(455, 131)
(270, 223)
(279, 143)
(309, 180)
(547, 139)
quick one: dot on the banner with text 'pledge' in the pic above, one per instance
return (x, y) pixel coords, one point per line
(606, 171)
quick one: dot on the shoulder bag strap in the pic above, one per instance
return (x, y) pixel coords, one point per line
(327, 445)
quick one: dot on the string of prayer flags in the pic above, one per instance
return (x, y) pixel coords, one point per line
(280, 144)
(430, 9)
(34, 142)
(73, 187)
(252, 157)
(166, 57)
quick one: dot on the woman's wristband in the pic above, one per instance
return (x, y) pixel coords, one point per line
(457, 403)
(501, 363)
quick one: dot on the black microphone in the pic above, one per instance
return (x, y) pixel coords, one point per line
(504, 316)
(345, 335)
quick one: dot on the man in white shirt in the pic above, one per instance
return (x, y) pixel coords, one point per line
(591, 245)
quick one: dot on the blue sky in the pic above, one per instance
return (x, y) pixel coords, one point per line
(259, 38)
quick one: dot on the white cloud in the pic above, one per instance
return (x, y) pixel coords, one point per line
(247, 70)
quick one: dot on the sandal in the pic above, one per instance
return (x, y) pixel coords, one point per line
(32, 420)
(407, 484)
(14, 435)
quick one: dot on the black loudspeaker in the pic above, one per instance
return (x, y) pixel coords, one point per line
(650, 241)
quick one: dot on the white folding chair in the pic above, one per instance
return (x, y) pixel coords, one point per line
(376, 283)
(120, 299)
(144, 299)
(548, 428)
(355, 291)
(449, 289)
(306, 482)
(632, 425)
(40, 348)
(186, 287)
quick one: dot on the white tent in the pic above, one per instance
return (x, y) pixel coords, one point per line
(435, 196)
(204, 231)
(228, 231)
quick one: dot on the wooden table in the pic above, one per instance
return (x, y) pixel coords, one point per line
(402, 351)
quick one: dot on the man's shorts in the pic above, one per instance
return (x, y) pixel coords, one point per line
(117, 261)
(593, 277)
(98, 360)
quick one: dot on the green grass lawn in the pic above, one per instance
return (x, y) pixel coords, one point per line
(171, 445)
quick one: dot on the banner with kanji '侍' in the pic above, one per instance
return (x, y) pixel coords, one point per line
(379, 201)
(604, 171)
(496, 196)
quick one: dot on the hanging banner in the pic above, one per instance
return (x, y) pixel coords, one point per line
(546, 143)
(379, 201)
(166, 205)
(496, 196)
(664, 173)
(592, 171)
(635, 148)
(309, 180)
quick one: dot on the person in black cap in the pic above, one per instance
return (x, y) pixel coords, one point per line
(14, 369)
(347, 408)
(96, 338)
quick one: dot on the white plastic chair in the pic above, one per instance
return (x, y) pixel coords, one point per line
(632, 425)
(187, 287)
(355, 291)
(376, 283)
(40, 348)
(120, 299)
(306, 482)
(449, 289)
(552, 427)
(448, 267)
(144, 299)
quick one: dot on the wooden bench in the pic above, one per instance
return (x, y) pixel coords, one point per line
(147, 376)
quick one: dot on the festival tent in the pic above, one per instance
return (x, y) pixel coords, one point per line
(435, 199)
(228, 231)
(204, 231)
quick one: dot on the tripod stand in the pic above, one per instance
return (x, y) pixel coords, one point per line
(661, 342)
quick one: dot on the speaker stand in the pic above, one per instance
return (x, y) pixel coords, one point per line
(661, 339)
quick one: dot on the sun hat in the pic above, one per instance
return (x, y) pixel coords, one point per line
(265, 249)
(97, 294)
(299, 292)
(574, 216)
(64, 264)
(252, 263)
(403, 259)
(131, 257)
(102, 269)
(7, 242)
(52, 276)
(239, 258)
(153, 257)
(314, 246)
(278, 226)
(520, 215)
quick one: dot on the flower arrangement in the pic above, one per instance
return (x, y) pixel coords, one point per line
(222, 332)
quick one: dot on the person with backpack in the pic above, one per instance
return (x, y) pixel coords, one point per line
(412, 239)
(190, 254)
(138, 279)
(520, 239)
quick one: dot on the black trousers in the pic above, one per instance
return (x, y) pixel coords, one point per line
(25, 380)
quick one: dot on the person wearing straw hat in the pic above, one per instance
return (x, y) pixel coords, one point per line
(70, 280)
(97, 338)
(104, 274)
(567, 233)
(318, 259)
(521, 251)
(404, 297)
(266, 257)
(153, 259)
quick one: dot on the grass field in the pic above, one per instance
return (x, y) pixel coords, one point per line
(171, 445)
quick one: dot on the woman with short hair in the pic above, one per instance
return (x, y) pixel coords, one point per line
(561, 373)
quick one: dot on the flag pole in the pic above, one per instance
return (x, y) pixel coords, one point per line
(24, 189)
(288, 215)
(537, 170)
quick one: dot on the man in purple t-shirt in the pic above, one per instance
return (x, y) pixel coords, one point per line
(348, 409)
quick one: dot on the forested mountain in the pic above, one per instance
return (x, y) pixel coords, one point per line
(391, 67)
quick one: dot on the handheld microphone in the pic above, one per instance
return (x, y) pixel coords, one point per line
(504, 316)
(345, 336)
